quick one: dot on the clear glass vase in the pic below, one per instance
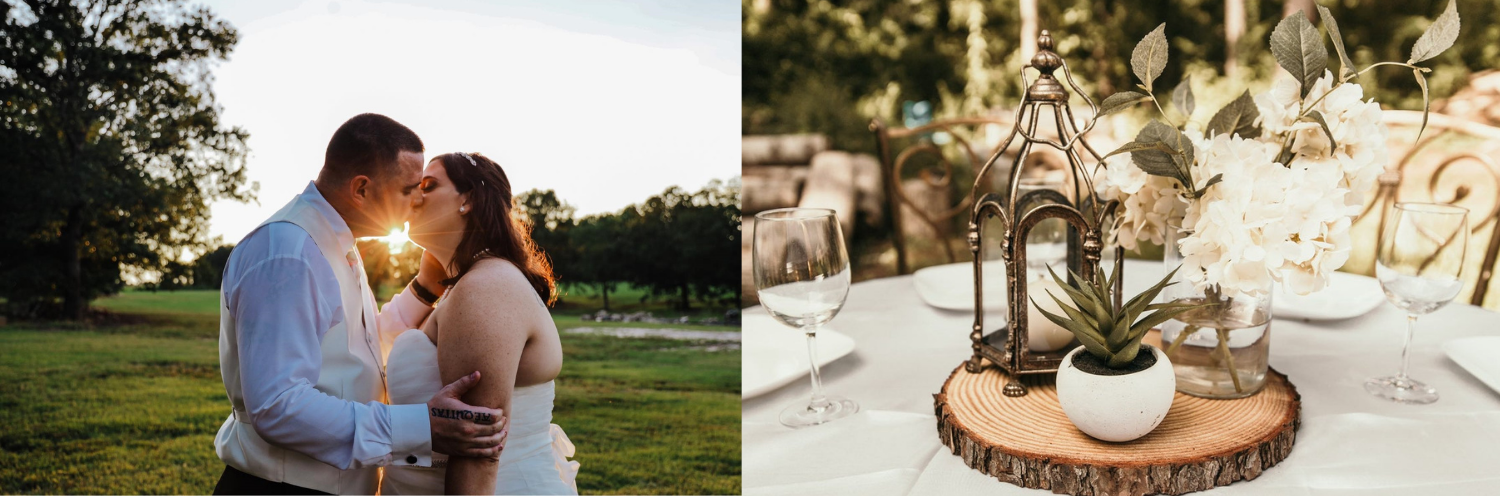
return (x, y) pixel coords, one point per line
(1219, 351)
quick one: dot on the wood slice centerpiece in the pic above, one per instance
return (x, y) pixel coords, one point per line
(1029, 442)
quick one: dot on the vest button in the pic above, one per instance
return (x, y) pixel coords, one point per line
(411, 458)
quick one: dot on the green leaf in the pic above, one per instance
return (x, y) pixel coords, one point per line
(1426, 103)
(1149, 57)
(1218, 178)
(1142, 300)
(1160, 316)
(1073, 313)
(1438, 37)
(1077, 328)
(1084, 302)
(1109, 281)
(1135, 146)
(1120, 101)
(1094, 286)
(1125, 355)
(1299, 49)
(1094, 346)
(1182, 97)
(1316, 116)
(1345, 65)
(1160, 163)
(1236, 118)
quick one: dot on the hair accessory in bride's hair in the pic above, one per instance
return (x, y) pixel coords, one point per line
(471, 162)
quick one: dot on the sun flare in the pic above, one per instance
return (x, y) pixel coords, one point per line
(397, 239)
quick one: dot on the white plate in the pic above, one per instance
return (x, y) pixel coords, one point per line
(951, 286)
(1347, 296)
(774, 355)
(1479, 356)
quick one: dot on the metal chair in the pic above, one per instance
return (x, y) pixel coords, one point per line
(893, 160)
(1389, 191)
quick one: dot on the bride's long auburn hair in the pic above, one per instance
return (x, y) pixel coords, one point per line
(491, 224)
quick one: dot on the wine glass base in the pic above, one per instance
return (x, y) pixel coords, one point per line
(1402, 390)
(797, 416)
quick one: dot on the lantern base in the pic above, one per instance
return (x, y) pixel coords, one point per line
(995, 348)
(1014, 388)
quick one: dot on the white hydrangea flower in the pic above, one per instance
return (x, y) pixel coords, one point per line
(1266, 221)
(1355, 124)
(1147, 202)
(1232, 240)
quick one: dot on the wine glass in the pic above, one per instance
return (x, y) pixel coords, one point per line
(802, 273)
(1419, 262)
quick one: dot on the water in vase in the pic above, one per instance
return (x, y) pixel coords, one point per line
(1217, 353)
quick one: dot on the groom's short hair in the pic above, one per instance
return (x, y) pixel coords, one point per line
(367, 144)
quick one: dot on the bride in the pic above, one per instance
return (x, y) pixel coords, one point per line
(493, 318)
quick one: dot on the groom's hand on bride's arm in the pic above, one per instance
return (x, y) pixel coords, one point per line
(460, 429)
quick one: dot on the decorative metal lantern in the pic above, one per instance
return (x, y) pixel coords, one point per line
(1085, 216)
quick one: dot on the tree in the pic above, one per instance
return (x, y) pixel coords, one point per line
(545, 210)
(208, 270)
(678, 242)
(714, 220)
(112, 143)
(551, 219)
(600, 256)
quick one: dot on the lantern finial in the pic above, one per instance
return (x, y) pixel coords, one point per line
(1046, 61)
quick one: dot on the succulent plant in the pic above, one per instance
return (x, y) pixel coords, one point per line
(1106, 332)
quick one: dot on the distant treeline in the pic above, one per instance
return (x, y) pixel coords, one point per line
(680, 246)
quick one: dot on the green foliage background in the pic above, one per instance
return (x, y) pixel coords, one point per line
(828, 67)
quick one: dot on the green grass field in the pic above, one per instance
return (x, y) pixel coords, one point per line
(132, 406)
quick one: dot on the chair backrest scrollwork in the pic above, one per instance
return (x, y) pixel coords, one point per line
(1389, 190)
(939, 175)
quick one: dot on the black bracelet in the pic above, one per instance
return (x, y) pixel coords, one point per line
(422, 294)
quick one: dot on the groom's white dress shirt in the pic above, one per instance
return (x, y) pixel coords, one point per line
(281, 298)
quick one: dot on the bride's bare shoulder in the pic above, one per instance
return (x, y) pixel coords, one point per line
(495, 282)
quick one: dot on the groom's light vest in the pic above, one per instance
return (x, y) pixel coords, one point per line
(350, 371)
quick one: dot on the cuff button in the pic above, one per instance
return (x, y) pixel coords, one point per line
(411, 458)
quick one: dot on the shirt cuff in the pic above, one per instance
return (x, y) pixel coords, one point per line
(411, 436)
(411, 310)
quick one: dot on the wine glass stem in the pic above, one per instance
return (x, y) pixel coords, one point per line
(819, 401)
(1411, 328)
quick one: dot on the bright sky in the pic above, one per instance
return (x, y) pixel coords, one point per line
(606, 102)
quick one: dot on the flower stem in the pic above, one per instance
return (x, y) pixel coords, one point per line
(1229, 359)
(1402, 64)
(1159, 109)
(1186, 333)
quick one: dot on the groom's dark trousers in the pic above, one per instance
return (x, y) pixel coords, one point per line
(236, 482)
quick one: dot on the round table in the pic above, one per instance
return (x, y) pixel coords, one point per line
(1350, 442)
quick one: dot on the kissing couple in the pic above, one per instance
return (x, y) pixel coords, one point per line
(447, 397)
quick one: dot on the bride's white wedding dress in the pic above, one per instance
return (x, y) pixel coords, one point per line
(535, 457)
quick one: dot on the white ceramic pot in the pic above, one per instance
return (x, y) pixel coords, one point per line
(1116, 408)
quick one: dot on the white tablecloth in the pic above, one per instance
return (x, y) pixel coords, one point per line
(1350, 442)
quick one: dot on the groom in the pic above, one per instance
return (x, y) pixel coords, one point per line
(301, 346)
